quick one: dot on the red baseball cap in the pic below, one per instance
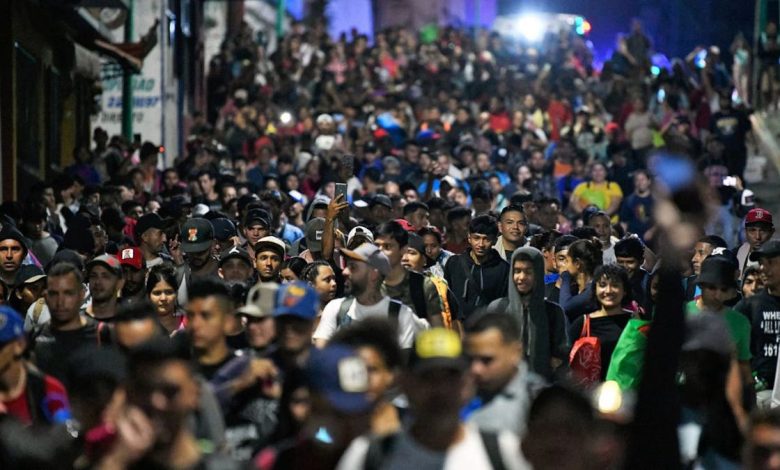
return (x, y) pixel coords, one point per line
(132, 256)
(405, 224)
(758, 215)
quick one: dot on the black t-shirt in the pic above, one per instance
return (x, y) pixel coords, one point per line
(53, 347)
(209, 371)
(607, 330)
(763, 311)
(731, 127)
(237, 342)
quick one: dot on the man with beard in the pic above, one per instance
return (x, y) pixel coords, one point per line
(12, 252)
(134, 273)
(197, 240)
(235, 266)
(758, 229)
(104, 275)
(151, 238)
(367, 267)
(478, 276)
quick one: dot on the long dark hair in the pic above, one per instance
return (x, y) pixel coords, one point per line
(588, 253)
(161, 272)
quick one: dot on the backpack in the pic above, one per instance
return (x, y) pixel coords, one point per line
(379, 448)
(585, 357)
(342, 319)
(417, 292)
(45, 406)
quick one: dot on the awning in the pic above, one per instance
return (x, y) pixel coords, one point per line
(87, 62)
(127, 61)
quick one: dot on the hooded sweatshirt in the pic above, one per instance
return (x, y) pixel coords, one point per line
(542, 323)
(476, 285)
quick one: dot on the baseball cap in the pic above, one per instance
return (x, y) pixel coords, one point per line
(133, 257)
(297, 299)
(257, 216)
(416, 243)
(260, 301)
(382, 200)
(405, 224)
(146, 222)
(196, 235)
(437, 348)
(758, 216)
(371, 255)
(313, 231)
(325, 119)
(360, 231)
(11, 324)
(718, 270)
(66, 256)
(769, 249)
(109, 261)
(224, 229)
(234, 252)
(27, 274)
(341, 376)
(271, 243)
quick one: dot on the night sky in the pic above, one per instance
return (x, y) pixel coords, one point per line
(675, 26)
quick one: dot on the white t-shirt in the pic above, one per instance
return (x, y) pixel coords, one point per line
(408, 323)
(468, 454)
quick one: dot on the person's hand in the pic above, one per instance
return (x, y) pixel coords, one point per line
(264, 373)
(134, 437)
(174, 248)
(335, 207)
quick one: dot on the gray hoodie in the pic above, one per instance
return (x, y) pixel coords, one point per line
(542, 324)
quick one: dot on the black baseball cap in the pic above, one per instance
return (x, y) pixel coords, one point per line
(718, 270)
(769, 249)
(224, 229)
(234, 252)
(257, 216)
(146, 222)
(382, 200)
(197, 234)
(27, 274)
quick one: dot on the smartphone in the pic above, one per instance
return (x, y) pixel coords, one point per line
(348, 161)
(341, 188)
(729, 181)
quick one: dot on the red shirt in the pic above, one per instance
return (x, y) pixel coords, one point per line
(20, 409)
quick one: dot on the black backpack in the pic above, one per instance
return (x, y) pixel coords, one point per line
(379, 448)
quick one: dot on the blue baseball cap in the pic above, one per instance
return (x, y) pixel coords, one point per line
(297, 299)
(11, 324)
(341, 376)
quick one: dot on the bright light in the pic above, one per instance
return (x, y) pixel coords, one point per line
(531, 27)
(285, 118)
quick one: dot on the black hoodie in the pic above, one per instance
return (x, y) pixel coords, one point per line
(475, 286)
(542, 323)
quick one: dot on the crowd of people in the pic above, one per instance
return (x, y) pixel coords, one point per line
(436, 251)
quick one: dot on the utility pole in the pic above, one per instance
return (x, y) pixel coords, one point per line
(281, 8)
(127, 79)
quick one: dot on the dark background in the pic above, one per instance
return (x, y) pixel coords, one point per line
(675, 26)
